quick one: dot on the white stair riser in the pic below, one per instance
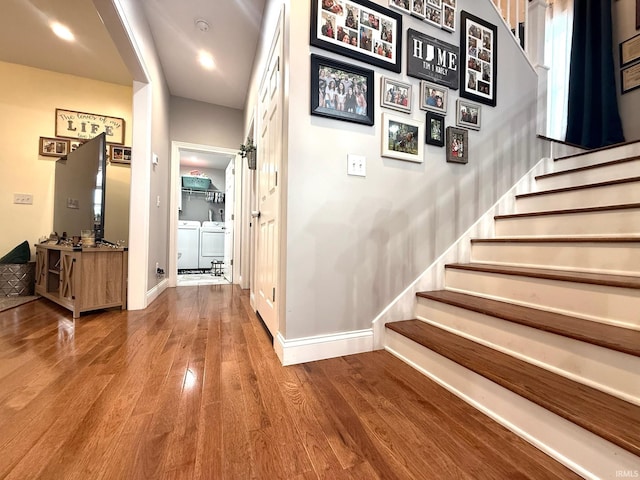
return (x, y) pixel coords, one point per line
(619, 259)
(592, 197)
(594, 158)
(607, 370)
(584, 452)
(599, 223)
(615, 306)
(595, 175)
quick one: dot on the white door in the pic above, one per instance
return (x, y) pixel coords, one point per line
(269, 159)
(229, 191)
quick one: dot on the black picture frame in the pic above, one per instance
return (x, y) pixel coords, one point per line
(629, 50)
(478, 59)
(630, 78)
(435, 129)
(457, 145)
(323, 71)
(378, 41)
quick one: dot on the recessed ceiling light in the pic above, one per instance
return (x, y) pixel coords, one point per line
(62, 31)
(206, 60)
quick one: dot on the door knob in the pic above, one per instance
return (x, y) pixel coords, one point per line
(255, 213)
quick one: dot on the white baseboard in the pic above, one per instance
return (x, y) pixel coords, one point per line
(309, 349)
(156, 291)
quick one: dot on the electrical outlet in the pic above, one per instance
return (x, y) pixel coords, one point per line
(157, 266)
(23, 198)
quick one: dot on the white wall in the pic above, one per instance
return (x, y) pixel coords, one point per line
(624, 27)
(149, 242)
(353, 244)
(205, 124)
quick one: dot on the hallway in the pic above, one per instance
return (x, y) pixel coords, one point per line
(191, 388)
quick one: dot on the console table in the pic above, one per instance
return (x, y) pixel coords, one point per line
(82, 279)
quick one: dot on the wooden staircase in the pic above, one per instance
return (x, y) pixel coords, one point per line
(541, 330)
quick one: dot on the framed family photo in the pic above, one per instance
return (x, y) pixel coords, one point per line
(341, 91)
(120, 154)
(402, 5)
(457, 145)
(359, 29)
(433, 97)
(435, 129)
(402, 138)
(396, 95)
(53, 147)
(467, 114)
(478, 59)
(630, 51)
(449, 15)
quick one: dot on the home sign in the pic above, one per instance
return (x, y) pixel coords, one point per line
(432, 59)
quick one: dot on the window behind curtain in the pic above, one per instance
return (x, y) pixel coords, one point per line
(559, 29)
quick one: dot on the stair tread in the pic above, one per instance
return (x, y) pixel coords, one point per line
(626, 206)
(589, 151)
(585, 186)
(605, 415)
(588, 167)
(608, 336)
(623, 281)
(601, 239)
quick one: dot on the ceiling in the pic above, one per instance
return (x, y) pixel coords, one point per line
(232, 37)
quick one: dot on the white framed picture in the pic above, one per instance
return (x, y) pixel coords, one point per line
(402, 138)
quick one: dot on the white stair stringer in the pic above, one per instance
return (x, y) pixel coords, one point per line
(601, 368)
(598, 195)
(601, 303)
(620, 258)
(583, 452)
(584, 222)
(606, 172)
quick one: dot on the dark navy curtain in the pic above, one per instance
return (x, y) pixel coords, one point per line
(592, 119)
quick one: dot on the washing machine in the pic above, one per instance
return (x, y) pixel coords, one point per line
(211, 244)
(188, 244)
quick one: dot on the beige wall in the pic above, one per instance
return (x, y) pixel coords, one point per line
(624, 27)
(28, 99)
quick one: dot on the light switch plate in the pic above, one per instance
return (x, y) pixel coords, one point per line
(23, 198)
(357, 165)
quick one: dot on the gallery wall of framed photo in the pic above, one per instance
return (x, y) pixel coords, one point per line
(448, 72)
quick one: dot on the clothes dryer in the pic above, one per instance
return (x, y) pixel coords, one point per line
(211, 244)
(188, 244)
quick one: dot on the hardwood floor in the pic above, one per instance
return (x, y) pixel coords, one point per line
(191, 388)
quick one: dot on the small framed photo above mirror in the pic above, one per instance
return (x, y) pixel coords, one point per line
(53, 147)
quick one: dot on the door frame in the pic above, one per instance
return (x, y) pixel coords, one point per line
(174, 190)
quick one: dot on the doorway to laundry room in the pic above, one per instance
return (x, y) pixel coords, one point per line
(204, 201)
